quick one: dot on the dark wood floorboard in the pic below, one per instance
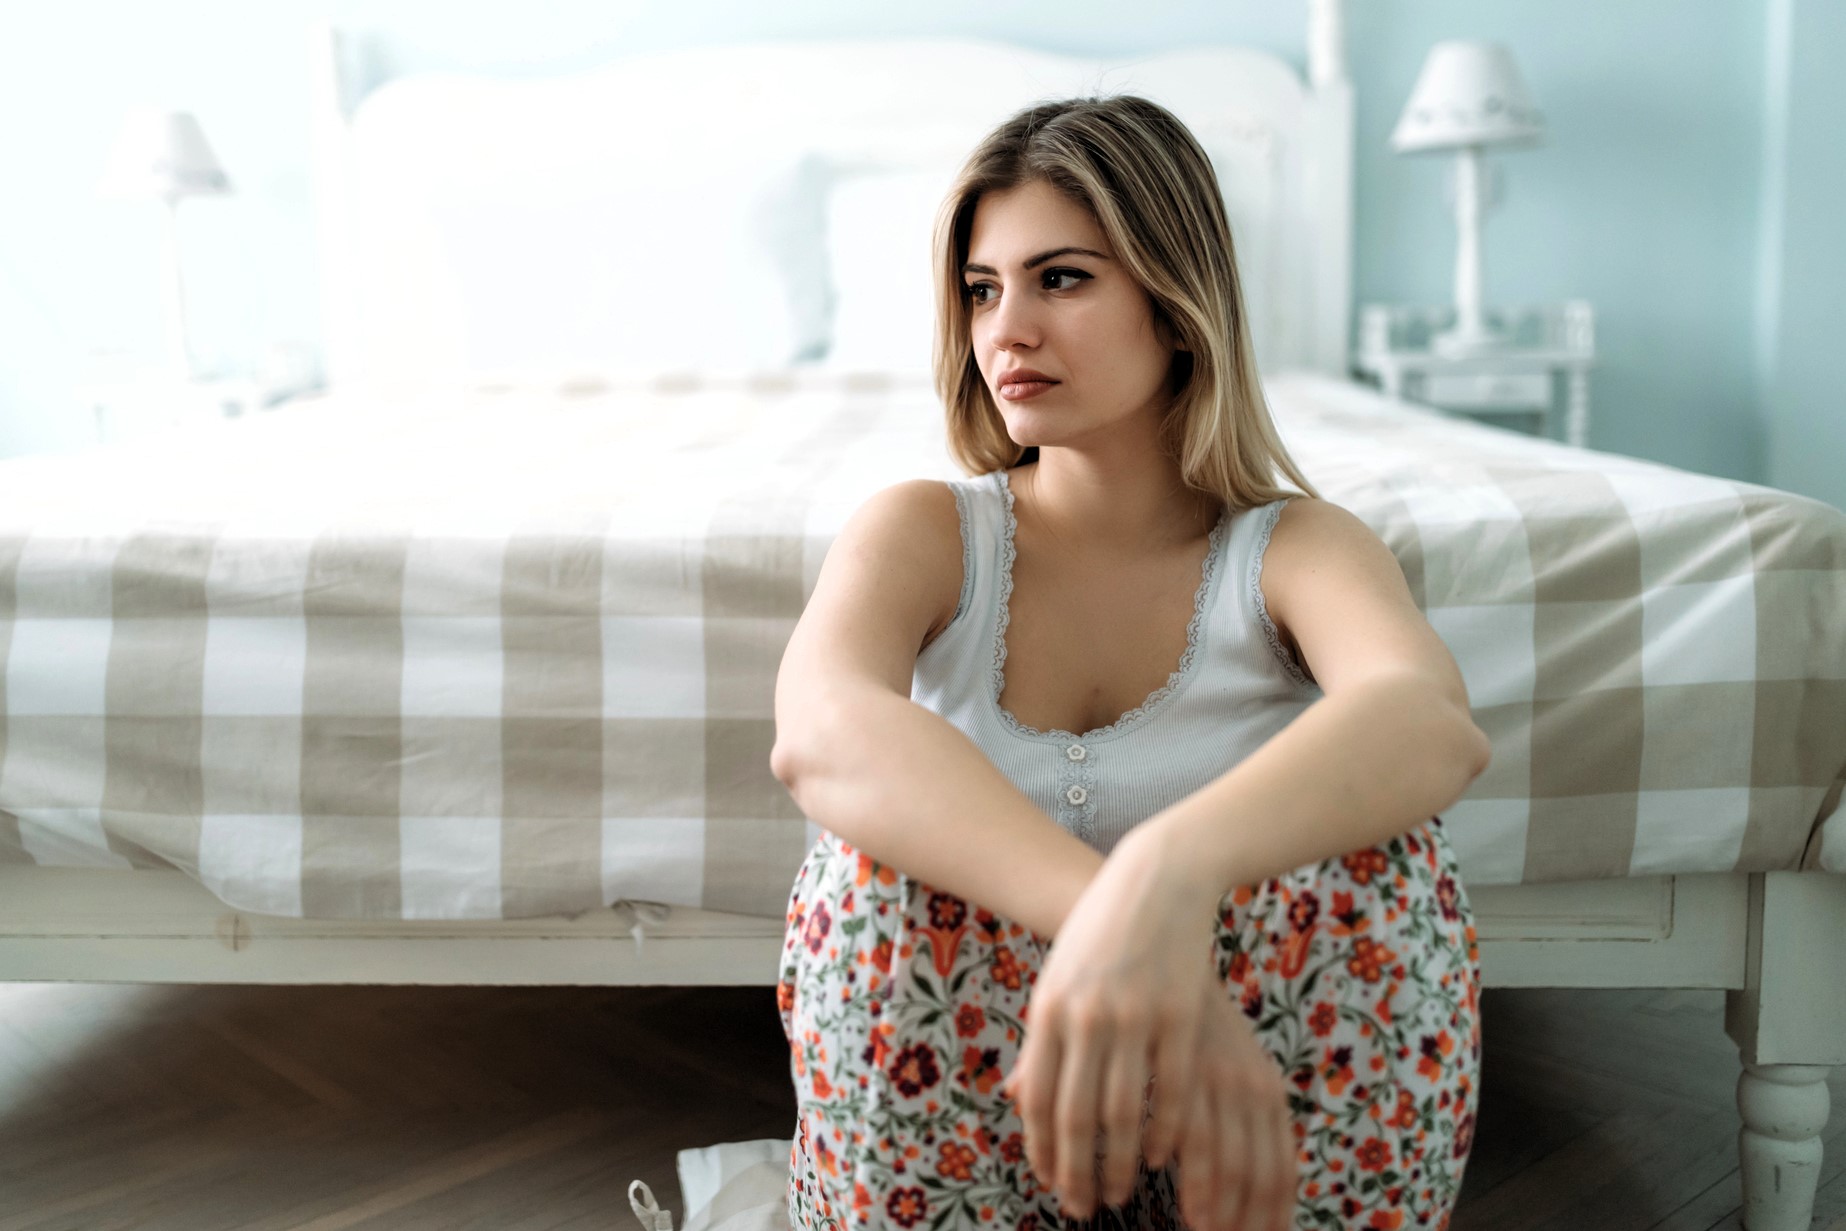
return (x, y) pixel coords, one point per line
(531, 1109)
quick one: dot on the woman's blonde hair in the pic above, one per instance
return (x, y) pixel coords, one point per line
(1150, 186)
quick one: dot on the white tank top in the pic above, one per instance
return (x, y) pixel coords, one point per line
(1236, 685)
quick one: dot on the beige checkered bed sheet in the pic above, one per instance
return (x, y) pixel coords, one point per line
(510, 651)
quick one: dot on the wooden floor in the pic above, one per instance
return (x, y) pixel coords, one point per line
(199, 1108)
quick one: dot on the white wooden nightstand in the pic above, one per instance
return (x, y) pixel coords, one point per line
(1551, 345)
(137, 407)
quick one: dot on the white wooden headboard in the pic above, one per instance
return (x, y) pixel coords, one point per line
(1283, 146)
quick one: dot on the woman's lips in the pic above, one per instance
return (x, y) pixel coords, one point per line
(1020, 390)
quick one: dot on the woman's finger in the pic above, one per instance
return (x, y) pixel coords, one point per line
(1233, 1157)
(1287, 1162)
(1198, 1160)
(1035, 1087)
(1264, 1186)
(1073, 1119)
(1124, 1101)
(1173, 1069)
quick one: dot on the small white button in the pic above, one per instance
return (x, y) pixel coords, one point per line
(1076, 795)
(1076, 752)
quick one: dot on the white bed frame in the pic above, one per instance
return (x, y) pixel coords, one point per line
(1768, 939)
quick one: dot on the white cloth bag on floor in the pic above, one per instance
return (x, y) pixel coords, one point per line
(734, 1186)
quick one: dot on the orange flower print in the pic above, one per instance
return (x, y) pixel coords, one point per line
(1365, 963)
(1464, 1135)
(1374, 1155)
(988, 924)
(1448, 897)
(825, 1159)
(880, 1046)
(1368, 959)
(915, 1069)
(1005, 968)
(981, 1069)
(818, 926)
(946, 911)
(1350, 918)
(956, 1162)
(868, 869)
(1337, 1069)
(1295, 949)
(907, 1206)
(948, 923)
(1303, 911)
(1363, 865)
(1434, 1047)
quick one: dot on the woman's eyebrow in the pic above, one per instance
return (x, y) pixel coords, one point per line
(1036, 261)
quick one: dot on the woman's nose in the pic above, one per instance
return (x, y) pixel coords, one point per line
(1012, 323)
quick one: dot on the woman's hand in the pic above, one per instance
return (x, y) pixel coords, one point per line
(1128, 991)
(1237, 1166)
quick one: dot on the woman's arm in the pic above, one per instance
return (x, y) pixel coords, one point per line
(908, 788)
(1352, 770)
(1391, 743)
(891, 778)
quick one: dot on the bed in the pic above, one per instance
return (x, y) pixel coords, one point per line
(462, 672)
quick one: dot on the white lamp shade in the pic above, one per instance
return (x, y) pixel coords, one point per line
(162, 154)
(1467, 94)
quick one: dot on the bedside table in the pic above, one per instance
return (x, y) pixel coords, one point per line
(1552, 346)
(139, 407)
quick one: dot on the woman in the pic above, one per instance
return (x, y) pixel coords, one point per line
(1218, 890)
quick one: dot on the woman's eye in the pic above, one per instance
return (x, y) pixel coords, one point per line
(1050, 276)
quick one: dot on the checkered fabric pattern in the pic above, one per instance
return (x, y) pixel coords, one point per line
(510, 651)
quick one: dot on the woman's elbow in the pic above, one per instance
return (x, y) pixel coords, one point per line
(785, 760)
(1477, 748)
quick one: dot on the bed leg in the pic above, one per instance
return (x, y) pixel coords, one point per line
(1784, 1107)
(1789, 1023)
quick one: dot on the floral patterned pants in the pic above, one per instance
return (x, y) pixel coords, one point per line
(905, 1007)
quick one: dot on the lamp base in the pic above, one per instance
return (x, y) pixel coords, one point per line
(1459, 343)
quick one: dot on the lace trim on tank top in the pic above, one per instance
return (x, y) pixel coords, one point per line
(1265, 528)
(963, 518)
(1156, 699)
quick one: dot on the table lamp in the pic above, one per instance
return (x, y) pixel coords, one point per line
(1468, 96)
(163, 154)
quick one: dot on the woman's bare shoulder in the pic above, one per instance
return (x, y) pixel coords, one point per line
(918, 522)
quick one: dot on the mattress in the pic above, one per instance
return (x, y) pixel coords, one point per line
(509, 650)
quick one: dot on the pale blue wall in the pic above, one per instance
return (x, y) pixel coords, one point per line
(1648, 199)
(1643, 201)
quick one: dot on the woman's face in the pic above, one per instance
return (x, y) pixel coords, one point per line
(1045, 293)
